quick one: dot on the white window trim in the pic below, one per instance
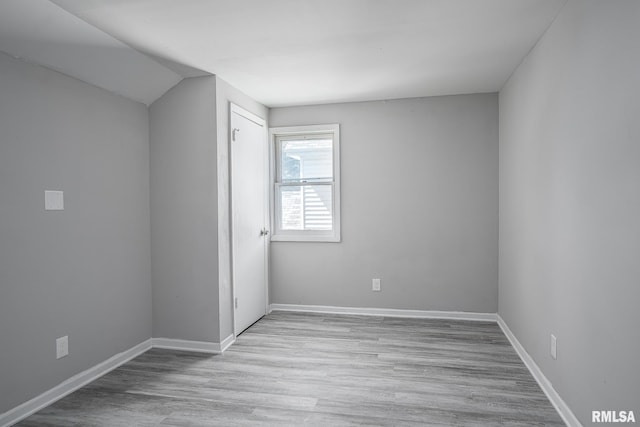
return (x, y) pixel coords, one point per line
(306, 235)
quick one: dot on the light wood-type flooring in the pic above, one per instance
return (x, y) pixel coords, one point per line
(325, 370)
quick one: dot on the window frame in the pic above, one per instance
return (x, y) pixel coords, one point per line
(279, 235)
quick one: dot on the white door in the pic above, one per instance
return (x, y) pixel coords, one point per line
(249, 196)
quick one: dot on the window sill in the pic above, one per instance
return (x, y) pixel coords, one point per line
(303, 238)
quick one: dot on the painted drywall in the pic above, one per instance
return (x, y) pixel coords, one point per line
(570, 205)
(225, 94)
(419, 208)
(82, 272)
(184, 212)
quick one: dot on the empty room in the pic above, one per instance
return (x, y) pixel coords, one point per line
(319, 212)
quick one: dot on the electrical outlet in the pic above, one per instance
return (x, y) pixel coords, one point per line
(375, 285)
(62, 347)
(554, 347)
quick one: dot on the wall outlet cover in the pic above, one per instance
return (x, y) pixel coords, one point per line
(375, 285)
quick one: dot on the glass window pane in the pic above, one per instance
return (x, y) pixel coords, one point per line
(306, 207)
(306, 159)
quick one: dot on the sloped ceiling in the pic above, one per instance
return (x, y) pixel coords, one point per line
(40, 32)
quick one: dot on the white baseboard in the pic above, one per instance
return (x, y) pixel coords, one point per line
(72, 384)
(563, 409)
(226, 343)
(389, 312)
(188, 345)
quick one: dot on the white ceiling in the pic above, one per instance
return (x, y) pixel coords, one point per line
(292, 52)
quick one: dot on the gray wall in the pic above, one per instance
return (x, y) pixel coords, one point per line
(190, 222)
(82, 272)
(570, 205)
(184, 217)
(224, 95)
(419, 208)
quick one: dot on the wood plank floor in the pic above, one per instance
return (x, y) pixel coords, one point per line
(325, 370)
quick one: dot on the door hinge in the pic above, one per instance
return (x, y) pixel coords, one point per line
(236, 302)
(233, 133)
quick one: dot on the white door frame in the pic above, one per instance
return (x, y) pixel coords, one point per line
(234, 108)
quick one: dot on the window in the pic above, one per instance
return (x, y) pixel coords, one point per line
(305, 195)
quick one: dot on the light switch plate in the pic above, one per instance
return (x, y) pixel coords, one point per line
(62, 347)
(53, 200)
